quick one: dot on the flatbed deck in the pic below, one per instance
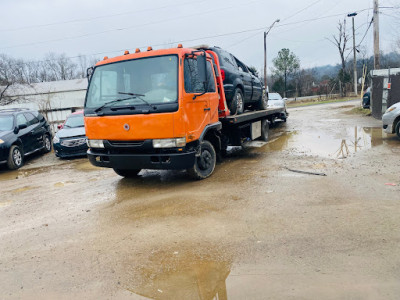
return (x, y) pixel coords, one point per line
(250, 116)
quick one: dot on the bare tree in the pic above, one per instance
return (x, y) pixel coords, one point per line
(340, 41)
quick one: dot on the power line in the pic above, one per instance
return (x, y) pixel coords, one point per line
(200, 38)
(96, 18)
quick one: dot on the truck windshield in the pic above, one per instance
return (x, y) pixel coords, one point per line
(155, 79)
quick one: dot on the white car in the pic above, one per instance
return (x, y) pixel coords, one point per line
(391, 119)
(276, 101)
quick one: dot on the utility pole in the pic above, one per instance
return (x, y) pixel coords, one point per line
(265, 53)
(376, 35)
(354, 54)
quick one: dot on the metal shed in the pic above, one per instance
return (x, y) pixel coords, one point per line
(385, 90)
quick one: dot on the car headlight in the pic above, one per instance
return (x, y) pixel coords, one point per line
(56, 139)
(169, 143)
(392, 108)
(95, 143)
(1, 141)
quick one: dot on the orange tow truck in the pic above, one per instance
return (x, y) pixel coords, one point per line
(164, 109)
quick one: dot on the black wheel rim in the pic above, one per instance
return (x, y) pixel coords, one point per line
(205, 160)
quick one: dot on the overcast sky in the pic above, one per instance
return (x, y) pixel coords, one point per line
(30, 29)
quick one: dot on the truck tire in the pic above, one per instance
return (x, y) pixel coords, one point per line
(397, 129)
(204, 164)
(129, 173)
(264, 130)
(262, 103)
(15, 158)
(236, 106)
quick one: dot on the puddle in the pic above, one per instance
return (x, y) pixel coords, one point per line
(22, 189)
(339, 144)
(184, 279)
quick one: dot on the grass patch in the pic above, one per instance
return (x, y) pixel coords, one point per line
(359, 111)
(308, 102)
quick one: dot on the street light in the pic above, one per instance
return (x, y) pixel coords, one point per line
(265, 52)
(354, 54)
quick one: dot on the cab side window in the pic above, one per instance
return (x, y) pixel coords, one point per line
(31, 119)
(192, 80)
(21, 119)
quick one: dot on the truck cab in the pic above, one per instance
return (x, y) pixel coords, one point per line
(152, 110)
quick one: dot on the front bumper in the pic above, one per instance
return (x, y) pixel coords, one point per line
(164, 161)
(387, 122)
(65, 152)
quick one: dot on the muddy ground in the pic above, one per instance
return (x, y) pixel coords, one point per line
(254, 230)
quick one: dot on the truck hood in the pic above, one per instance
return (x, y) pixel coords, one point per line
(130, 127)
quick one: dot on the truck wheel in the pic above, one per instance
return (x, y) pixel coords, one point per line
(262, 103)
(15, 158)
(397, 129)
(264, 130)
(204, 164)
(129, 173)
(46, 143)
(236, 106)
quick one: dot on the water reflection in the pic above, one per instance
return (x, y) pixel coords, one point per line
(188, 280)
(333, 144)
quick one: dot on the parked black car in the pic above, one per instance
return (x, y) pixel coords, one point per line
(242, 87)
(366, 100)
(70, 140)
(22, 132)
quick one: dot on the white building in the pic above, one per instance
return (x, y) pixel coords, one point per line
(55, 99)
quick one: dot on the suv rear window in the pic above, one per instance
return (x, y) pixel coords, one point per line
(226, 59)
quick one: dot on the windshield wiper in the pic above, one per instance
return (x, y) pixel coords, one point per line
(113, 101)
(138, 96)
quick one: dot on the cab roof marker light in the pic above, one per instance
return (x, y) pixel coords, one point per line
(149, 48)
(105, 58)
(137, 50)
(180, 46)
(126, 52)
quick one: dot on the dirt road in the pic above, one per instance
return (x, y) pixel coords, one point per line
(254, 230)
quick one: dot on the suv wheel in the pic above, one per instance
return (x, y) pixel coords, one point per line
(237, 104)
(15, 158)
(46, 143)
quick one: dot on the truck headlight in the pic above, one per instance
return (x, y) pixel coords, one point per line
(169, 143)
(1, 141)
(56, 139)
(390, 109)
(95, 143)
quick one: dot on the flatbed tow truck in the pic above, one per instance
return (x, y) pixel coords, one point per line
(164, 109)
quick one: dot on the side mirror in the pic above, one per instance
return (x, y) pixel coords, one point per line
(22, 126)
(284, 99)
(202, 68)
(89, 73)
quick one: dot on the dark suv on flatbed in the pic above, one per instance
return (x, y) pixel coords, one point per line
(242, 88)
(22, 132)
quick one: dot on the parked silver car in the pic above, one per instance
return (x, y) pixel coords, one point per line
(275, 100)
(391, 119)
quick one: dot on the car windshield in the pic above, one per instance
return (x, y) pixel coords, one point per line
(274, 96)
(74, 121)
(6, 123)
(152, 80)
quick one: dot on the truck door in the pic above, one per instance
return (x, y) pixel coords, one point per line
(201, 110)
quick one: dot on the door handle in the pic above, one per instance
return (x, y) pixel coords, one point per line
(207, 109)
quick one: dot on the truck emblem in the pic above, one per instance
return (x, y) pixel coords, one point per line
(126, 127)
